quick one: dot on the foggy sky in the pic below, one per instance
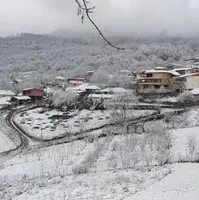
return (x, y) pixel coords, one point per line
(141, 17)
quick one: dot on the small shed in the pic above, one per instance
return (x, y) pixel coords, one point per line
(20, 100)
(35, 94)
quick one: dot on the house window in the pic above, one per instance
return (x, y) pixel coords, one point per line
(149, 75)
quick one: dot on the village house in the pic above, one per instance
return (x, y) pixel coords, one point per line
(107, 93)
(156, 81)
(20, 100)
(85, 87)
(190, 81)
(60, 81)
(5, 96)
(88, 75)
(75, 81)
(4, 102)
(35, 94)
(6, 93)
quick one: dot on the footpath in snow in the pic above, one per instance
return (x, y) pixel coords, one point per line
(182, 184)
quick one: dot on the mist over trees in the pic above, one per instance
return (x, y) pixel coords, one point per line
(48, 56)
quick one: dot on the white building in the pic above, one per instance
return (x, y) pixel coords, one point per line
(191, 81)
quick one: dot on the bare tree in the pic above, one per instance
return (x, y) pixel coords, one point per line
(85, 10)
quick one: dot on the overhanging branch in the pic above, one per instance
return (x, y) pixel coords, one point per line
(83, 10)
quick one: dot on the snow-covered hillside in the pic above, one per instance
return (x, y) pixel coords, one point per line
(52, 56)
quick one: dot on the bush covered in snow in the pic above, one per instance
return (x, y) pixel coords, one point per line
(185, 97)
(64, 99)
(136, 151)
(120, 104)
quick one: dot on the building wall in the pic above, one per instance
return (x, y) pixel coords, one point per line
(165, 77)
(33, 92)
(163, 85)
(192, 82)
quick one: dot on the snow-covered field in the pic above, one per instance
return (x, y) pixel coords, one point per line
(5, 143)
(40, 124)
(78, 170)
(185, 144)
(181, 184)
(187, 119)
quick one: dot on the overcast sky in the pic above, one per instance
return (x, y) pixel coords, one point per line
(117, 16)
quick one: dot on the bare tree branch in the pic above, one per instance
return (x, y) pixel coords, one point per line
(84, 9)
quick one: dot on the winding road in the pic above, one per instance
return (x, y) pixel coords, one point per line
(13, 134)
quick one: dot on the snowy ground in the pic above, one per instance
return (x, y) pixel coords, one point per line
(188, 119)
(115, 167)
(5, 143)
(5, 140)
(40, 125)
(182, 184)
(185, 144)
(55, 173)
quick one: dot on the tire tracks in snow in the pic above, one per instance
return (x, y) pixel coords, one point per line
(16, 136)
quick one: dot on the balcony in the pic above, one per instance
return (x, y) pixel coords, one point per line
(150, 81)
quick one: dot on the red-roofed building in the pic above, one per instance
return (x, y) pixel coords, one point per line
(34, 93)
(76, 80)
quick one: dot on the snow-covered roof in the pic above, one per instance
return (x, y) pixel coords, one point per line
(101, 96)
(162, 71)
(6, 93)
(84, 87)
(60, 78)
(190, 74)
(34, 88)
(114, 90)
(4, 101)
(76, 79)
(22, 97)
(160, 68)
(195, 91)
(181, 69)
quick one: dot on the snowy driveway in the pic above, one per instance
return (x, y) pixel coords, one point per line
(182, 184)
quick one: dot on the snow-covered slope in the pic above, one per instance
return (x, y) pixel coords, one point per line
(185, 145)
(5, 143)
(182, 184)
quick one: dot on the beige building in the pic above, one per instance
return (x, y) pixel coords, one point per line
(156, 81)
